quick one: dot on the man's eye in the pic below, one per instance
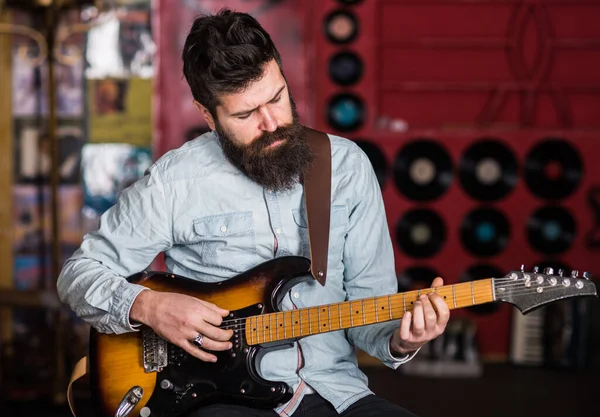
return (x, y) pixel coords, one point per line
(276, 99)
(244, 117)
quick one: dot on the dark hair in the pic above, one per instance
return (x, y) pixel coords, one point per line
(224, 53)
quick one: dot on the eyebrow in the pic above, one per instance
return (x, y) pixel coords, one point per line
(244, 112)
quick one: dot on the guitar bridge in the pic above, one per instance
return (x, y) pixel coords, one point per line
(155, 354)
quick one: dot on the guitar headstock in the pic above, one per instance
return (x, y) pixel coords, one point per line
(530, 290)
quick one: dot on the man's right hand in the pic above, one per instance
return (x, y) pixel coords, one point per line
(180, 318)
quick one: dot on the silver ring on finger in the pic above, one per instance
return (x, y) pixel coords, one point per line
(198, 340)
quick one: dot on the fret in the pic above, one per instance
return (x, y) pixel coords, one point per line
(262, 323)
(351, 315)
(340, 314)
(277, 326)
(363, 311)
(389, 306)
(300, 314)
(329, 317)
(454, 295)
(284, 326)
(404, 303)
(376, 311)
(319, 319)
(473, 292)
(270, 327)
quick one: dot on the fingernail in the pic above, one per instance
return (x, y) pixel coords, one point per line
(423, 297)
(229, 346)
(213, 359)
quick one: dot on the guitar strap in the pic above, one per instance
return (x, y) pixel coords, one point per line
(317, 197)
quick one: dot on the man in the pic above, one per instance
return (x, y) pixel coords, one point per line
(231, 199)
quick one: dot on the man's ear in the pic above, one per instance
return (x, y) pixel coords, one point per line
(206, 114)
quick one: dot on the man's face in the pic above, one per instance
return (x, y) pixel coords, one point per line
(261, 134)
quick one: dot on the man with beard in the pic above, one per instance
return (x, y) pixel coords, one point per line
(232, 199)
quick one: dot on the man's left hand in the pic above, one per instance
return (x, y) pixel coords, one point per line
(427, 321)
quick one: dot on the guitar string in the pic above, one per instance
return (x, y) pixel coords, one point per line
(478, 292)
(239, 323)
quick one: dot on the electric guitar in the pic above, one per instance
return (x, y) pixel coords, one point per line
(141, 374)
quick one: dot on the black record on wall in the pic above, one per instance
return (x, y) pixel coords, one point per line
(551, 230)
(416, 277)
(485, 231)
(346, 112)
(553, 169)
(377, 158)
(482, 271)
(423, 170)
(341, 27)
(345, 68)
(421, 233)
(488, 170)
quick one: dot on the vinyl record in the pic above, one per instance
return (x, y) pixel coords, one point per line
(485, 232)
(551, 230)
(416, 278)
(421, 233)
(341, 26)
(482, 271)
(488, 170)
(377, 158)
(423, 170)
(345, 112)
(345, 68)
(553, 169)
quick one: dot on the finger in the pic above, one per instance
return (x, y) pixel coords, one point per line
(215, 333)
(220, 311)
(210, 344)
(197, 352)
(209, 315)
(438, 282)
(429, 314)
(405, 326)
(443, 312)
(418, 320)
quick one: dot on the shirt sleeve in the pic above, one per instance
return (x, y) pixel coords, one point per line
(369, 268)
(131, 234)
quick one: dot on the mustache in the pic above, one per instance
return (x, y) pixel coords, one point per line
(268, 138)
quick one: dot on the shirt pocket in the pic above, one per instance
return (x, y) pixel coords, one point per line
(338, 223)
(227, 241)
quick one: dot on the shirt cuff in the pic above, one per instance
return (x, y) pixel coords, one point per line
(395, 361)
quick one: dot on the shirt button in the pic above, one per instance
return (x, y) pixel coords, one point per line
(278, 230)
(296, 295)
(223, 228)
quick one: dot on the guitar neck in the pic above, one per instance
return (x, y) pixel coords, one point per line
(289, 325)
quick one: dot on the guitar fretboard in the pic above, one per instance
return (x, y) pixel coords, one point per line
(273, 327)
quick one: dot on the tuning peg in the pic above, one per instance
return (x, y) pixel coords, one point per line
(561, 272)
(536, 269)
(522, 267)
(587, 275)
(574, 273)
(548, 271)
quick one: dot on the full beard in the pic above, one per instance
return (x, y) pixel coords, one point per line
(278, 168)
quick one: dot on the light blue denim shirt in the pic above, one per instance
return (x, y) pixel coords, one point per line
(213, 223)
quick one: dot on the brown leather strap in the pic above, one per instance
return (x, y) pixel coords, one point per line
(79, 370)
(317, 195)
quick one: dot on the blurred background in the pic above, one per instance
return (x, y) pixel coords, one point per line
(481, 119)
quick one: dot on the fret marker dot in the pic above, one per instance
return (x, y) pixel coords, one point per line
(296, 322)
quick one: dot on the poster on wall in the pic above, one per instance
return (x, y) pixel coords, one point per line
(32, 150)
(32, 232)
(120, 111)
(176, 114)
(30, 76)
(107, 169)
(120, 43)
